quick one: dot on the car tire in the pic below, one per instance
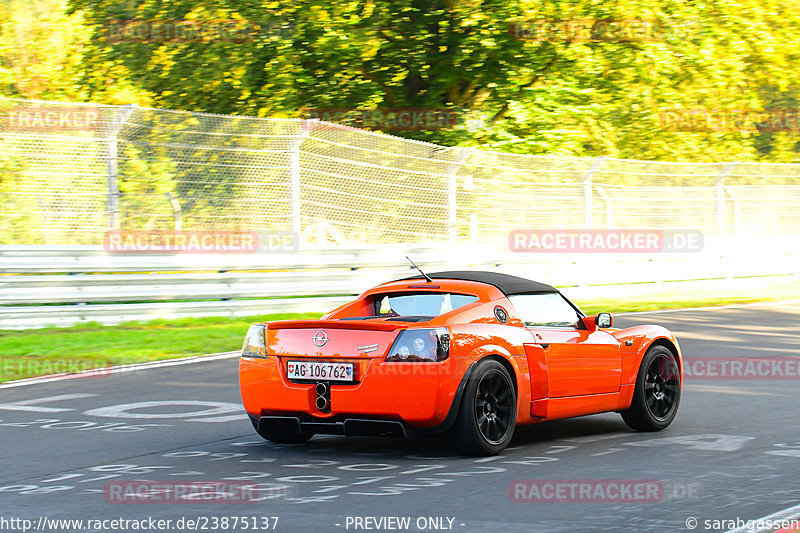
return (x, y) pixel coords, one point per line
(281, 435)
(657, 393)
(487, 413)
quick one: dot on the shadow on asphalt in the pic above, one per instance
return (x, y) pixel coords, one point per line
(437, 447)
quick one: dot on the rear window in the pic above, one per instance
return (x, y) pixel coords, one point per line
(428, 304)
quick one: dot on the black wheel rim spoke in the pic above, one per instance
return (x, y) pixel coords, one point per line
(492, 430)
(662, 386)
(496, 385)
(501, 424)
(494, 407)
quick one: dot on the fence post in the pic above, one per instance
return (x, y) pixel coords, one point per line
(473, 228)
(720, 186)
(452, 209)
(306, 126)
(737, 209)
(609, 206)
(588, 178)
(177, 212)
(452, 193)
(112, 172)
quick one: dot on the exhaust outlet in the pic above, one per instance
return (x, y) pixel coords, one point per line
(323, 391)
(322, 403)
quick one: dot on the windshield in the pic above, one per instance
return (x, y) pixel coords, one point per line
(427, 304)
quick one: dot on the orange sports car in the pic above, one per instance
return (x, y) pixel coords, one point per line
(467, 354)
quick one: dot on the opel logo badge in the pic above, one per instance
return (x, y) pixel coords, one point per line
(320, 338)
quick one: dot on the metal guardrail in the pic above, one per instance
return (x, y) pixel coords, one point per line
(57, 285)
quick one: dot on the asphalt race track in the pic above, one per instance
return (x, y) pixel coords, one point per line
(733, 452)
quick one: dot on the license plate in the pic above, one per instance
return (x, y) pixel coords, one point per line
(321, 371)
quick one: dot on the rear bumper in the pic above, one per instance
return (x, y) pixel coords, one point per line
(349, 427)
(411, 395)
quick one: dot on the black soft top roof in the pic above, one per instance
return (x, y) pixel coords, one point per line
(508, 284)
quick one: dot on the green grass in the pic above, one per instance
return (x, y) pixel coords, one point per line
(37, 352)
(702, 294)
(667, 301)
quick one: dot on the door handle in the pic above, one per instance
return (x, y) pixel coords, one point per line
(544, 345)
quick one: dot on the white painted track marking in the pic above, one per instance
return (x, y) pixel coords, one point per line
(30, 407)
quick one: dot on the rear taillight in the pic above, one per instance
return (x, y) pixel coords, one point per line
(421, 345)
(255, 343)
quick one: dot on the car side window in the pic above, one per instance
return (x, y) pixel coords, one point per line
(550, 309)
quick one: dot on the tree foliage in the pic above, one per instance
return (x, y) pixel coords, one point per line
(520, 81)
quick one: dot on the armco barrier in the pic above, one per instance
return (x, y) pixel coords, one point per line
(59, 285)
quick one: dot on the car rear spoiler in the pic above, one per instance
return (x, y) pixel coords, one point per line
(333, 324)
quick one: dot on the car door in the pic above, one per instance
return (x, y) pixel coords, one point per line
(579, 362)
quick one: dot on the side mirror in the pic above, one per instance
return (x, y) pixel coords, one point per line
(604, 320)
